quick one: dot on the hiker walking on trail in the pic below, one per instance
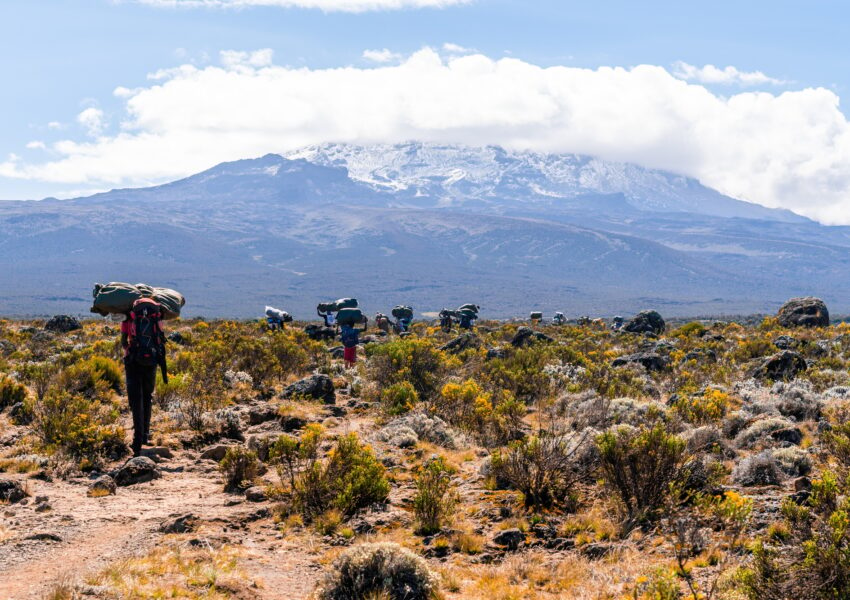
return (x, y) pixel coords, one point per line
(350, 337)
(144, 350)
(468, 315)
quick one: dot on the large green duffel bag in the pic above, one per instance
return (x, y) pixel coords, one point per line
(327, 307)
(349, 316)
(468, 313)
(346, 303)
(403, 312)
(536, 316)
(470, 307)
(117, 298)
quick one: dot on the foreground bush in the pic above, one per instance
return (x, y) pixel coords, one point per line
(350, 477)
(411, 360)
(639, 464)
(813, 562)
(92, 378)
(544, 469)
(435, 497)
(239, 467)
(382, 570)
(11, 392)
(79, 427)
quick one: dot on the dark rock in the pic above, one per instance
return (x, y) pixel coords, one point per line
(320, 332)
(803, 312)
(465, 341)
(781, 366)
(647, 321)
(337, 352)
(182, 524)
(526, 336)
(42, 507)
(596, 551)
(318, 387)
(158, 453)
(261, 414)
(510, 538)
(255, 494)
(177, 338)
(496, 353)
(651, 361)
(289, 423)
(44, 537)
(215, 452)
(19, 414)
(791, 435)
(785, 342)
(137, 470)
(7, 347)
(802, 484)
(701, 355)
(102, 486)
(63, 324)
(11, 491)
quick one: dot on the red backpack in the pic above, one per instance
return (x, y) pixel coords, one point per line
(146, 341)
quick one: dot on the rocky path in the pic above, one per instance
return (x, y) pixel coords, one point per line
(79, 535)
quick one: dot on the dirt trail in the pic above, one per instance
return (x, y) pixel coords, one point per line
(95, 532)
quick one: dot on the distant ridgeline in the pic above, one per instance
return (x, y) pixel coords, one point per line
(425, 225)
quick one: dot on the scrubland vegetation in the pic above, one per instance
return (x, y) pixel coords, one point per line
(693, 469)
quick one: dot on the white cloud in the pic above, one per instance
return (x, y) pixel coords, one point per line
(36, 145)
(788, 150)
(259, 58)
(381, 56)
(92, 119)
(325, 5)
(728, 76)
(54, 125)
(456, 49)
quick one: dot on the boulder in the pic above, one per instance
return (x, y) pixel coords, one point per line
(102, 486)
(509, 538)
(785, 342)
(11, 491)
(803, 312)
(651, 361)
(465, 341)
(261, 413)
(255, 494)
(137, 470)
(647, 321)
(526, 336)
(182, 524)
(215, 452)
(701, 355)
(7, 347)
(318, 387)
(789, 435)
(496, 353)
(781, 366)
(63, 324)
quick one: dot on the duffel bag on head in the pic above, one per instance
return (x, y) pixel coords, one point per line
(114, 298)
(327, 307)
(346, 303)
(403, 312)
(468, 313)
(171, 302)
(536, 316)
(349, 316)
(470, 307)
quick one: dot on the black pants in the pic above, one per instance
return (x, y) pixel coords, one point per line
(141, 382)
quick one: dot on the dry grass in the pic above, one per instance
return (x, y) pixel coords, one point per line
(176, 571)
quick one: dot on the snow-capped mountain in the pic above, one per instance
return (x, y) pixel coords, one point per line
(427, 225)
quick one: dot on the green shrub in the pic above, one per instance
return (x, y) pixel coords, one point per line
(350, 478)
(11, 392)
(78, 426)
(435, 497)
(399, 398)
(413, 360)
(239, 467)
(92, 377)
(544, 469)
(521, 372)
(639, 465)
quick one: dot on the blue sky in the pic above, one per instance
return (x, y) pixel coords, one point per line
(62, 57)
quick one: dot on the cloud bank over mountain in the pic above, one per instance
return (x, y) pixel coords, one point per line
(787, 149)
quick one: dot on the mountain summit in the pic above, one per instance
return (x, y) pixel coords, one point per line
(428, 225)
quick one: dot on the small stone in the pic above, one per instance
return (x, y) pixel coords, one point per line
(102, 486)
(255, 494)
(510, 538)
(137, 470)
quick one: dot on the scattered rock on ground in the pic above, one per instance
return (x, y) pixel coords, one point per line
(182, 524)
(63, 324)
(781, 366)
(510, 538)
(255, 494)
(651, 361)
(11, 491)
(102, 486)
(137, 470)
(803, 312)
(318, 387)
(215, 452)
(647, 321)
